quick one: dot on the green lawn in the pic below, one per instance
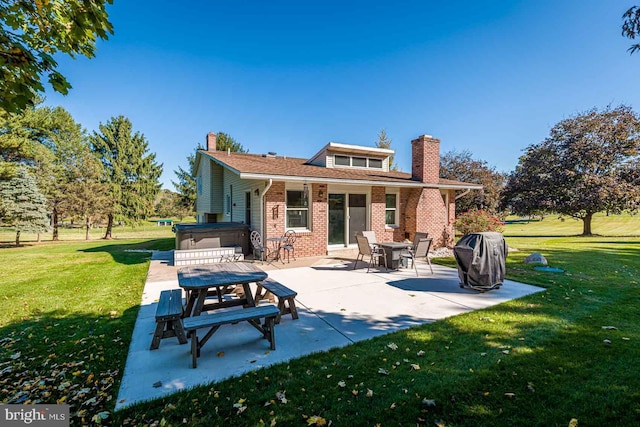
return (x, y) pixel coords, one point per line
(570, 352)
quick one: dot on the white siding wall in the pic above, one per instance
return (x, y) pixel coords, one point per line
(216, 186)
(203, 184)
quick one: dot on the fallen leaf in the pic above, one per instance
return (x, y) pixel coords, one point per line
(342, 384)
(608, 328)
(420, 353)
(369, 393)
(415, 366)
(316, 420)
(606, 341)
(510, 394)
(392, 346)
(573, 422)
(383, 371)
(429, 402)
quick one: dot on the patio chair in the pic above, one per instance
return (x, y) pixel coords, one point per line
(371, 237)
(364, 248)
(420, 249)
(420, 235)
(288, 244)
(258, 247)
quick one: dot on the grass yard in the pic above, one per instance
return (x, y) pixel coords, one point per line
(568, 353)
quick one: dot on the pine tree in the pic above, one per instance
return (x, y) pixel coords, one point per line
(131, 172)
(186, 184)
(23, 206)
(384, 142)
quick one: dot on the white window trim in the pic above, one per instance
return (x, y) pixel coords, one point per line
(308, 208)
(396, 224)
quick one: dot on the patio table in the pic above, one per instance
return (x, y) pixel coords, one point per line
(217, 280)
(276, 243)
(393, 251)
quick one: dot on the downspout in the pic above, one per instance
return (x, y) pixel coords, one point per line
(263, 221)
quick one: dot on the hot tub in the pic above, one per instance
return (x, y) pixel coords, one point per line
(214, 235)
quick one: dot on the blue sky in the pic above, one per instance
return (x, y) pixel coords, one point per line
(491, 77)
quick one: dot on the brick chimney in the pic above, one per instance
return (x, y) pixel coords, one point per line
(425, 159)
(211, 141)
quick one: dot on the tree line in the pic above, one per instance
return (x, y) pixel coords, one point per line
(51, 169)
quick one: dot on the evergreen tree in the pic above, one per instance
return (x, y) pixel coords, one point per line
(225, 142)
(131, 173)
(384, 142)
(23, 205)
(186, 184)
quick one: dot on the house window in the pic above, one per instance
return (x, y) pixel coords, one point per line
(359, 162)
(375, 163)
(390, 217)
(297, 209)
(342, 160)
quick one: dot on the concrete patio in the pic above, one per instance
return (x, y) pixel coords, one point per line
(337, 306)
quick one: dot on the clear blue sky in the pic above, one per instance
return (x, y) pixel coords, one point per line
(491, 77)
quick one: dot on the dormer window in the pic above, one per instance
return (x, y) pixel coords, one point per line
(357, 162)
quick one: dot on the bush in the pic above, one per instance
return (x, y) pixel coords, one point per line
(476, 221)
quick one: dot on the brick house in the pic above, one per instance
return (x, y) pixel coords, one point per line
(327, 199)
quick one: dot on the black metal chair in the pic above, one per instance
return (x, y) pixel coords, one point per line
(288, 244)
(258, 247)
(364, 248)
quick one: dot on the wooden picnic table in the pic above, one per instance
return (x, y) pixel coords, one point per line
(217, 280)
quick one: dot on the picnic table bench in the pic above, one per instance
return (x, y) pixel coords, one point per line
(286, 297)
(215, 320)
(168, 318)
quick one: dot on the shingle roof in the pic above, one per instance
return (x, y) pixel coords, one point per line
(260, 166)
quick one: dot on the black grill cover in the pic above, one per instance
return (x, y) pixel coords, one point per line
(481, 259)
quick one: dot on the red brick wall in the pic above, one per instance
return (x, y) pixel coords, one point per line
(425, 159)
(424, 210)
(311, 243)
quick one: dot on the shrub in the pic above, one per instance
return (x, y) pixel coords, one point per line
(476, 221)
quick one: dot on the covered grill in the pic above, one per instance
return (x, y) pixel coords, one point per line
(481, 260)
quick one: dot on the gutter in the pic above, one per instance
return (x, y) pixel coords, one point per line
(263, 222)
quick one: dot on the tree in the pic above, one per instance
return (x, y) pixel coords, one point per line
(588, 164)
(186, 184)
(23, 140)
(463, 167)
(86, 196)
(225, 142)
(49, 140)
(32, 32)
(384, 142)
(23, 206)
(631, 26)
(131, 173)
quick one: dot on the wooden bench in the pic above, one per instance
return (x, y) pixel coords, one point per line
(215, 320)
(168, 318)
(286, 297)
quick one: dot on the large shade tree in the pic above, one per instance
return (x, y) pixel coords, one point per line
(588, 164)
(631, 26)
(461, 166)
(32, 33)
(131, 172)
